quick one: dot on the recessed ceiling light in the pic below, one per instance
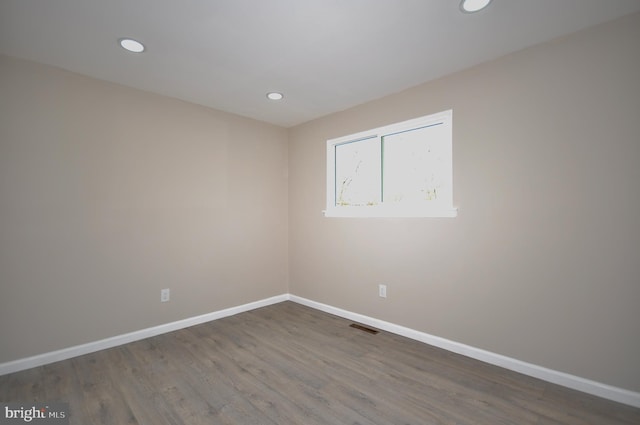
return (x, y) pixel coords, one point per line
(471, 6)
(274, 96)
(131, 45)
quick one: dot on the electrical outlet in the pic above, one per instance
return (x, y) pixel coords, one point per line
(382, 291)
(165, 295)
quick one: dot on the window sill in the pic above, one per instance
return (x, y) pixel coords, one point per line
(374, 212)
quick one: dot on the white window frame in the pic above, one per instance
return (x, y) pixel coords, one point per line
(444, 205)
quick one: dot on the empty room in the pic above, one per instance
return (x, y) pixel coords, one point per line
(320, 212)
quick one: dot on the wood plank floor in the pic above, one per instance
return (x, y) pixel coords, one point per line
(289, 364)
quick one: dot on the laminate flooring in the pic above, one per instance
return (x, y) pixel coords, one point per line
(290, 364)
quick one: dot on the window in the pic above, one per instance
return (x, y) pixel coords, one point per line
(400, 170)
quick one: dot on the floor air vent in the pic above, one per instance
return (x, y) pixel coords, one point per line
(363, 328)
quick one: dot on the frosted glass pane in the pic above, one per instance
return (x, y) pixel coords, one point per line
(414, 165)
(358, 173)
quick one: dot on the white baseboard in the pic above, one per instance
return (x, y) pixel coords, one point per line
(91, 347)
(599, 389)
(575, 382)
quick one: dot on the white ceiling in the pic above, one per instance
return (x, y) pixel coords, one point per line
(324, 55)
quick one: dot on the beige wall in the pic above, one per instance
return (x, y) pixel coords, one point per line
(108, 194)
(543, 262)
